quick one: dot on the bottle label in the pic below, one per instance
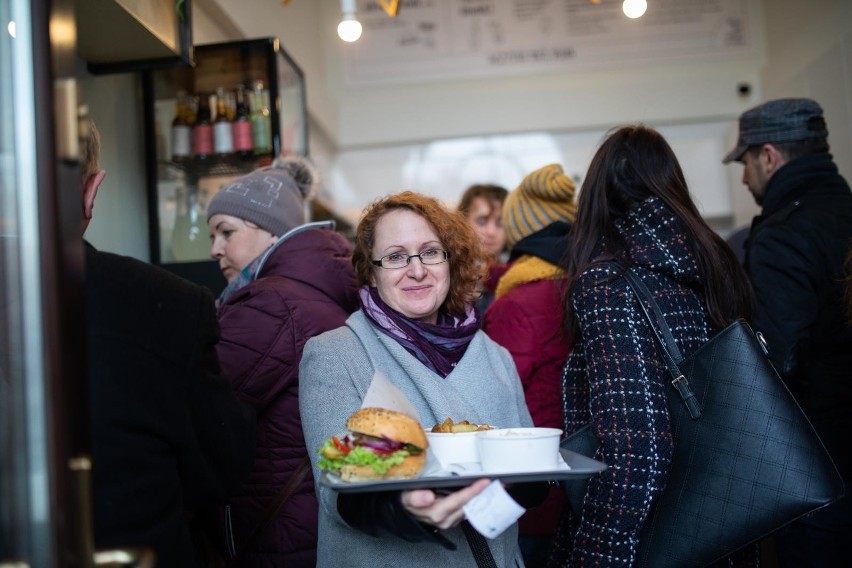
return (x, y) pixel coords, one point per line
(202, 140)
(261, 128)
(181, 141)
(242, 136)
(223, 139)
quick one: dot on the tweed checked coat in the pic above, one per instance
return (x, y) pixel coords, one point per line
(616, 380)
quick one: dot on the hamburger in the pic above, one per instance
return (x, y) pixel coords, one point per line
(380, 444)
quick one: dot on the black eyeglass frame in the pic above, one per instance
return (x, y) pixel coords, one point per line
(408, 258)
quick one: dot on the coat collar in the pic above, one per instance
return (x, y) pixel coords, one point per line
(657, 240)
(330, 225)
(794, 179)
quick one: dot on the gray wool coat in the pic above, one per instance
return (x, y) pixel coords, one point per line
(336, 371)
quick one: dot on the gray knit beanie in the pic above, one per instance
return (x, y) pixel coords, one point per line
(273, 198)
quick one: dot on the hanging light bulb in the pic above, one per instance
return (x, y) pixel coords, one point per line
(349, 29)
(634, 8)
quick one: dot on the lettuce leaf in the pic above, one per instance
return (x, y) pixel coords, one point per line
(361, 456)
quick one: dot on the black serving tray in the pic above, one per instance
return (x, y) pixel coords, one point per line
(578, 466)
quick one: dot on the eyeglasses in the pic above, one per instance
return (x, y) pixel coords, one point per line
(401, 260)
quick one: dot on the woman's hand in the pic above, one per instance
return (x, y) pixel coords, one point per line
(442, 511)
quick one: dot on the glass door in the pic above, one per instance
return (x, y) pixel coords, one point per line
(24, 480)
(44, 473)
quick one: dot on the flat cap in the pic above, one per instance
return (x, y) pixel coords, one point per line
(776, 122)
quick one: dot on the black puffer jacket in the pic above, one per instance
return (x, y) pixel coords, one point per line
(794, 256)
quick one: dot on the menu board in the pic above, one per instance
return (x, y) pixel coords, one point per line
(448, 39)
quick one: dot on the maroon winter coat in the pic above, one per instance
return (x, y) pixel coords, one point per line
(305, 288)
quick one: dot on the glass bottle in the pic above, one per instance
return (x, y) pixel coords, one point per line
(190, 239)
(243, 143)
(181, 135)
(202, 130)
(223, 136)
(261, 125)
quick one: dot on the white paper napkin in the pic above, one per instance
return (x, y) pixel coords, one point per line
(492, 511)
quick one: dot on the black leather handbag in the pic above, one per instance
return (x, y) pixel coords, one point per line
(746, 459)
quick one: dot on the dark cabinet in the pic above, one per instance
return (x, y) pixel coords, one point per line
(186, 167)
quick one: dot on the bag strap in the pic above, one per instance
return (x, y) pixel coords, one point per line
(665, 341)
(479, 546)
(272, 510)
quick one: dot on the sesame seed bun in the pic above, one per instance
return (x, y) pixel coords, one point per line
(378, 422)
(397, 426)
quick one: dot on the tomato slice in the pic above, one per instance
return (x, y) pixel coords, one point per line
(340, 445)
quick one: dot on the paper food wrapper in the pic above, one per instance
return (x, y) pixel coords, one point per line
(383, 394)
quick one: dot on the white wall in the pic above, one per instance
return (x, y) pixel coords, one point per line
(445, 168)
(567, 100)
(120, 220)
(810, 55)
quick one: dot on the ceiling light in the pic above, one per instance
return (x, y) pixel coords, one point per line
(349, 29)
(634, 8)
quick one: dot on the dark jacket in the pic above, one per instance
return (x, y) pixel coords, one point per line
(616, 379)
(305, 287)
(168, 435)
(794, 257)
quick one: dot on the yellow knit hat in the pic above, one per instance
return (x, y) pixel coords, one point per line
(544, 197)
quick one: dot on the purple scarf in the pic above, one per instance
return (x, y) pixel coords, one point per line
(438, 346)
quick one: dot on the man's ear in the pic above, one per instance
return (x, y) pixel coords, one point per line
(90, 191)
(772, 159)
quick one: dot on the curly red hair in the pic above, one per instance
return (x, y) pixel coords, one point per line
(467, 259)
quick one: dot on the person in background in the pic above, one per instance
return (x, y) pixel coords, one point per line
(417, 265)
(635, 212)
(169, 437)
(794, 258)
(287, 281)
(737, 241)
(482, 206)
(526, 318)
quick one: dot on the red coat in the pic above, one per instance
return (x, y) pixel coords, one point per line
(527, 320)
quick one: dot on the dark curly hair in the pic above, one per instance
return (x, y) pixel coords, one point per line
(467, 260)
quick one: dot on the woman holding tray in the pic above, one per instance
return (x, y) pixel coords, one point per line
(635, 212)
(417, 264)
